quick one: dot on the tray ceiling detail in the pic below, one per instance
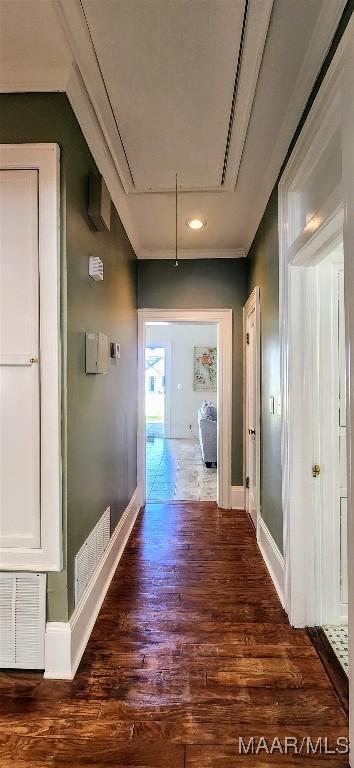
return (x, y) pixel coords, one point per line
(180, 78)
(211, 89)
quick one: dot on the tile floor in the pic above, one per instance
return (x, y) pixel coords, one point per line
(154, 429)
(338, 637)
(175, 470)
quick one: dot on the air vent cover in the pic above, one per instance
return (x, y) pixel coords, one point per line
(91, 552)
(22, 620)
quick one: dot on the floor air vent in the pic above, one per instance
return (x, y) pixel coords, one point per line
(90, 554)
(22, 620)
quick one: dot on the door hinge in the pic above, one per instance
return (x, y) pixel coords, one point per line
(247, 482)
(247, 338)
(316, 470)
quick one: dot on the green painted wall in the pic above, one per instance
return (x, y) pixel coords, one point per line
(99, 412)
(264, 271)
(203, 284)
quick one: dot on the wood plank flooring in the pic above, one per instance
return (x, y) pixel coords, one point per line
(191, 651)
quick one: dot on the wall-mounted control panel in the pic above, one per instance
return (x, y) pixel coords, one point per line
(97, 352)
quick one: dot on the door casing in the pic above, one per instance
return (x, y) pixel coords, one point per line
(44, 158)
(223, 320)
(313, 204)
(252, 305)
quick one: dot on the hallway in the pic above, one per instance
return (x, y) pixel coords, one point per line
(191, 651)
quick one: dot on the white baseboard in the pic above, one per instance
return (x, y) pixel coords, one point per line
(237, 497)
(65, 642)
(272, 557)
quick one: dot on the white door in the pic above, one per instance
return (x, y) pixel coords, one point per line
(19, 360)
(251, 407)
(326, 491)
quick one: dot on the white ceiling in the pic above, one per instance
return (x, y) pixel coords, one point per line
(160, 76)
(169, 68)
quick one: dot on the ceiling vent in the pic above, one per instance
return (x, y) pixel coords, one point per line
(22, 620)
(91, 553)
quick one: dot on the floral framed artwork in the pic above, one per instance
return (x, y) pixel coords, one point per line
(205, 369)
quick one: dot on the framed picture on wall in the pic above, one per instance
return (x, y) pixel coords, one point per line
(205, 369)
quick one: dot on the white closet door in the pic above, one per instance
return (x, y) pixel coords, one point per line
(19, 361)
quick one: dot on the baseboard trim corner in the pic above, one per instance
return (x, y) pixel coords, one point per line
(65, 642)
(272, 557)
(237, 497)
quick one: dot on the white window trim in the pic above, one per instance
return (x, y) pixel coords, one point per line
(223, 318)
(45, 159)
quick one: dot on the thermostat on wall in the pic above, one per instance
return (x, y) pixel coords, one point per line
(115, 350)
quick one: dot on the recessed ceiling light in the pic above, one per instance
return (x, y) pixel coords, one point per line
(195, 223)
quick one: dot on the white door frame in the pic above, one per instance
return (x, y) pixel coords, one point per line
(299, 244)
(253, 302)
(44, 158)
(223, 319)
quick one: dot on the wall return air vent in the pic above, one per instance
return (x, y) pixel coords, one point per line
(90, 554)
(22, 620)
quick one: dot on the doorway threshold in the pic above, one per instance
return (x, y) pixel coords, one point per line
(333, 666)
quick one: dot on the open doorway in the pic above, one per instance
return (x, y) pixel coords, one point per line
(181, 411)
(187, 448)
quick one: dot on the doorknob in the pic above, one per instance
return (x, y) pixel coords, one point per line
(34, 360)
(316, 470)
(251, 431)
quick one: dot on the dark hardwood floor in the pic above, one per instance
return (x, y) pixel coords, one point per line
(191, 651)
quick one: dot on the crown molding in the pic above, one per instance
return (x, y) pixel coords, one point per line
(83, 84)
(91, 128)
(76, 31)
(207, 253)
(255, 38)
(22, 79)
(326, 26)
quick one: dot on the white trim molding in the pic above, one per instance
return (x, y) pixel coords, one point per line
(197, 253)
(272, 557)
(326, 25)
(65, 642)
(223, 320)
(24, 78)
(82, 82)
(44, 158)
(237, 497)
(252, 305)
(300, 243)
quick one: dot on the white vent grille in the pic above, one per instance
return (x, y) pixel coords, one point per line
(22, 620)
(90, 554)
